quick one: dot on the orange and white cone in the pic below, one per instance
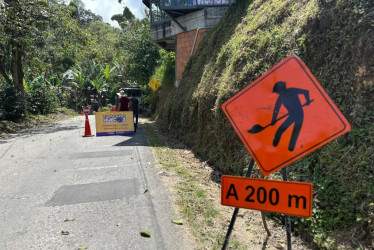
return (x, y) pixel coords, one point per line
(87, 128)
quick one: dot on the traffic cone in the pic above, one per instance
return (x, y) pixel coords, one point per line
(87, 128)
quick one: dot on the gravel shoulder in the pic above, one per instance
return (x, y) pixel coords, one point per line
(8, 128)
(248, 233)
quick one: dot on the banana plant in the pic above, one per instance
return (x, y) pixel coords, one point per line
(81, 86)
(101, 83)
(94, 78)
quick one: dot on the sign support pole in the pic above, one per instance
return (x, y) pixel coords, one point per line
(287, 217)
(233, 218)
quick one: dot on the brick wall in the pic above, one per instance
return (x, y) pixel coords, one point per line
(185, 43)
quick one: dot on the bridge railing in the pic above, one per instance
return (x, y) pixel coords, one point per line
(187, 4)
(158, 7)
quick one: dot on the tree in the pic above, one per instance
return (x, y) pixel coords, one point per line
(108, 45)
(45, 38)
(83, 16)
(38, 38)
(125, 19)
(142, 55)
(21, 23)
(94, 79)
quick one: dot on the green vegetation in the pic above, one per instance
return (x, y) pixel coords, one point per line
(334, 39)
(40, 40)
(54, 54)
(165, 73)
(193, 202)
(11, 106)
(41, 98)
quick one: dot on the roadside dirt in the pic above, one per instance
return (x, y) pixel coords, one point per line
(8, 127)
(248, 229)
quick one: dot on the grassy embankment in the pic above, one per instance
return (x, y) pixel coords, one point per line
(192, 200)
(335, 40)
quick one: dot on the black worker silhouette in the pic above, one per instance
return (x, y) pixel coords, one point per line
(288, 97)
(290, 100)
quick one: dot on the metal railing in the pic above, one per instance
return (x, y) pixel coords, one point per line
(182, 4)
(158, 6)
(194, 3)
(157, 14)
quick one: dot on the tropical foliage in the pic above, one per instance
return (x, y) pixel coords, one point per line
(334, 39)
(40, 40)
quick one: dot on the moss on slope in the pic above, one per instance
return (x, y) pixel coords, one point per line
(335, 39)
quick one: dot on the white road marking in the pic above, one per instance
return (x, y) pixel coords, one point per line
(104, 167)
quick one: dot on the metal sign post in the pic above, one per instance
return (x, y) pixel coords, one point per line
(288, 218)
(236, 210)
(282, 116)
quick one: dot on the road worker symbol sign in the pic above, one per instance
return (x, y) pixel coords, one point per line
(294, 198)
(284, 115)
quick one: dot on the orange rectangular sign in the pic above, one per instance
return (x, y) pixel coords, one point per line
(286, 197)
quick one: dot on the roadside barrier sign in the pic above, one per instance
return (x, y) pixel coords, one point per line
(280, 117)
(284, 115)
(293, 198)
(114, 123)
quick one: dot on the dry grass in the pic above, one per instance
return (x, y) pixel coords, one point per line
(196, 193)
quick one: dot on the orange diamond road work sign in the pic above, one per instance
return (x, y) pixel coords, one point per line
(286, 197)
(284, 115)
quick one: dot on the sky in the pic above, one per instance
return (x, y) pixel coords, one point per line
(108, 8)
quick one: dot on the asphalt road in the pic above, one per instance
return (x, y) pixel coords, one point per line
(52, 174)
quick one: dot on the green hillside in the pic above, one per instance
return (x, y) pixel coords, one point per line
(335, 39)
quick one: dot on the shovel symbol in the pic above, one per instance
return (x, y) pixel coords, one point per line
(257, 128)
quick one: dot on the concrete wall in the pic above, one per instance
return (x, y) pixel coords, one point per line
(160, 30)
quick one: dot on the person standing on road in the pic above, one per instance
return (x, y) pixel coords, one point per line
(134, 107)
(123, 102)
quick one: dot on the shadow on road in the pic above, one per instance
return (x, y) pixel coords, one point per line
(137, 139)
